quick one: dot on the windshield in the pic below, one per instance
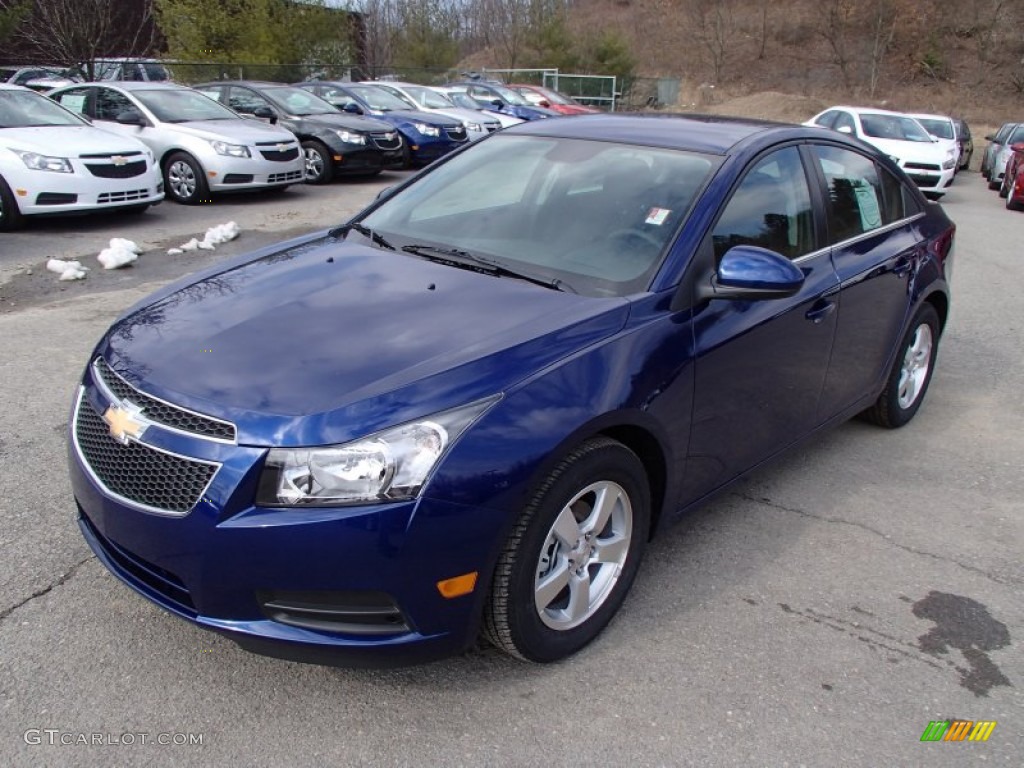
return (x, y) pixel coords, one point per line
(377, 98)
(593, 215)
(408, 99)
(23, 109)
(509, 96)
(942, 129)
(895, 127)
(552, 96)
(1016, 136)
(183, 105)
(428, 98)
(299, 101)
(464, 100)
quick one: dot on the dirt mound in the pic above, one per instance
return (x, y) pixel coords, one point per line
(771, 105)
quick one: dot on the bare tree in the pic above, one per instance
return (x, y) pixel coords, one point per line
(884, 20)
(835, 24)
(714, 23)
(77, 32)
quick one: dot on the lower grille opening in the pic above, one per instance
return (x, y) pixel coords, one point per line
(55, 198)
(238, 178)
(354, 613)
(134, 567)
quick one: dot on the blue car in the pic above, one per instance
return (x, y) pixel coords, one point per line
(502, 99)
(468, 409)
(427, 135)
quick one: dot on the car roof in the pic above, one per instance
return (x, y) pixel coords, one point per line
(715, 134)
(9, 87)
(929, 116)
(132, 85)
(251, 83)
(866, 111)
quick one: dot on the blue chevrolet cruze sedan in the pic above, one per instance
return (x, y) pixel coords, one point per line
(467, 410)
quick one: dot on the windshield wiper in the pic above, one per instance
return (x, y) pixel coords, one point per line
(365, 231)
(460, 258)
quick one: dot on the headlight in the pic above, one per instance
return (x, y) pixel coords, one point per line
(350, 137)
(231, 150)
(473, 126)
(387, 466)
(949, 163)
(39, 162)
(427, 130)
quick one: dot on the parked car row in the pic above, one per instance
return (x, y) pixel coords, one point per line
(233, 136)
(1002, 165)
(926, 147)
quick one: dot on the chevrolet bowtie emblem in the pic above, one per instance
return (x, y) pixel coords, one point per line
(118, 160)
(282, 147)
(124, 422)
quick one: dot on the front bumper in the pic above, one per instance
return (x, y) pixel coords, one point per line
(227, 174)
(43, 193)
(257, 575)
(427, 149)
(932, 179)
(353, 158)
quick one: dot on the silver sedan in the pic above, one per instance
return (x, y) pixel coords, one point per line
(201, 145)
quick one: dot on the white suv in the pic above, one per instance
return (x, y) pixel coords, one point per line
(929, 163)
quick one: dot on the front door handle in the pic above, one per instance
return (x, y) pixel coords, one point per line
(820, 311)
(903, 267)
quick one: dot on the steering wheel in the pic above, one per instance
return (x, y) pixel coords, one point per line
(638, 234)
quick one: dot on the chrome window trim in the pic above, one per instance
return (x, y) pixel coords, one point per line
(84, 463)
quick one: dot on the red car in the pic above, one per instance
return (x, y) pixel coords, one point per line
(1013, 179)
(545, 97)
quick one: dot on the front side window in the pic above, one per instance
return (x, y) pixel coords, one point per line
(771, 208)
(111, 103)
(595, 215)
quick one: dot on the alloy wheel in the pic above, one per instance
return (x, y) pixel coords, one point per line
(916, 362)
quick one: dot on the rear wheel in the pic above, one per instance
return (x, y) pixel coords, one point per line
(572, 556)
(911, 373)
(1012, 204)
(10, 215)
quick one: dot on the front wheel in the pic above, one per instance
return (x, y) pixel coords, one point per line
(184, 180)
(572, 556)
(10, 215)
(318, 162)
(911, 373)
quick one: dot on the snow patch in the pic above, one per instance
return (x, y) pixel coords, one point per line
(68, 270)
(119, 253)
(222, 233)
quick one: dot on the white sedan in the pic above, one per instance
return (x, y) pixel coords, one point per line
(54, 162)
(929, 163)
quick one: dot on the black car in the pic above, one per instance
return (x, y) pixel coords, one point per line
(427, 135)
(333, 143)
(964, 141)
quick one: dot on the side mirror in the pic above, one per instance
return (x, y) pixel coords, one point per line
(1018, 147)
(544, 103)
(498, 103)
(845, 129)
(265, 113)
(990, 137)
(747, 272)
(130, 117)
(352, 108)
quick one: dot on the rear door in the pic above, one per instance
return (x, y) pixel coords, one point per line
(876, 252)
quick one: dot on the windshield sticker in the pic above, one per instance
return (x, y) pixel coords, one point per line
(657, 216)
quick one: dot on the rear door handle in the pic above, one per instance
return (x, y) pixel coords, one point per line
(820, 310)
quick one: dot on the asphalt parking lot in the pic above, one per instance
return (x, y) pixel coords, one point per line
(820, 613)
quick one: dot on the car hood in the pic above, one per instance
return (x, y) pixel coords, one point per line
(68, 141)
(415, 116)
(241, 131)
(913, 151)
(465, 115)
(344, 122)
(327, 341)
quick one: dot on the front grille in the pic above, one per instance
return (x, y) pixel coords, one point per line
(279, 178)
(923, 181)
(166, 415)
(55, 198)
(388, 140)
(128, 196)
(126, 171)
(142, 571)
(922, 167)
(238, 178)
(280, 156)
(492, 127)
(109, 155)
(356, 613)
(136, 472)
(456, 134)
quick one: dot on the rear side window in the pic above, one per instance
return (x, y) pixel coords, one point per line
(861, 197)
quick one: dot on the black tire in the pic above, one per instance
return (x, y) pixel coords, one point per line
(11, 217)
(188, 187)
(1011, 204)
(891, 410)
(406, 156)
(319, 167)
(1004, 188)
(994, 183)
(512, 620)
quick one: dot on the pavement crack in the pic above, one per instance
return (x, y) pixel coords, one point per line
(765, 501)
(62, 579)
